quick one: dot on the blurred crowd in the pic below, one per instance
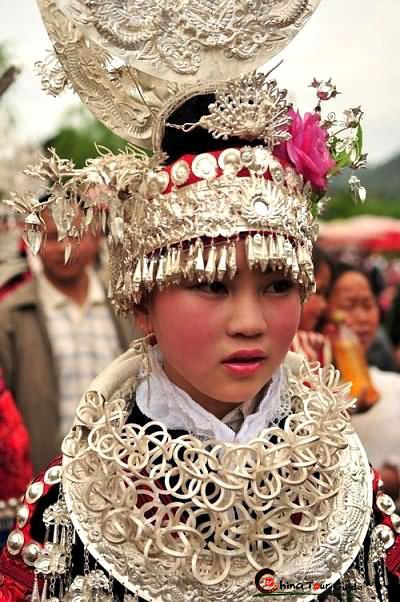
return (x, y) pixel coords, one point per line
(58, 330)
(352, 321)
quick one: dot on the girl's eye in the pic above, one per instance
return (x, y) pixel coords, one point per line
(213, 288)
(280, 286)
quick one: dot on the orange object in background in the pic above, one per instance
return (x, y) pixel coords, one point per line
(349, 359)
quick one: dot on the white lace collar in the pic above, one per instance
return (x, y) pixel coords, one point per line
(159, 399)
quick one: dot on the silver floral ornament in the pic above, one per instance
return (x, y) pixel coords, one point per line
(15, 541)
(30, 553)
(34, 492)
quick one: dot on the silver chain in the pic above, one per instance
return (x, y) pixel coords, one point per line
(86, 568)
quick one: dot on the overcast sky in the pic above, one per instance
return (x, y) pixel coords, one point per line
(356, 42)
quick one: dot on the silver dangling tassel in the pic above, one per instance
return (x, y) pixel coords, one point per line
(168, 264)
(55, 534)
(141, 348)
(44, 592)
(127, 288)
(295, 266)
(103, 220)
(199, 261)
(232, 262)
(137, 276)
(273, 258)
(160, 277)
(145, 269)
(120, 283)
(280, 251)
(382, 579)
(264, 257)
(176, 262)
(67, 252)
(33, 235)
(257, 248)
(211, 265)
(35, 592)
(149, 281)
(189, 266)
(288, 254)
(222, 263)
(301, 255)
(251, 259)
(61, 591)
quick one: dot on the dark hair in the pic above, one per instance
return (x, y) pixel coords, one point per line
(321, 257)
(341, 268)
(175, 143)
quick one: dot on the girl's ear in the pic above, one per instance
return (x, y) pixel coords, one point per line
(143, 319)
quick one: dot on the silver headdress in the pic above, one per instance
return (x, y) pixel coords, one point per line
(135, 64)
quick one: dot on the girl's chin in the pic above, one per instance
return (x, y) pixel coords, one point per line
(240, 395)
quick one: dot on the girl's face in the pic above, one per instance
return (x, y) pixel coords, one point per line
(222, 342)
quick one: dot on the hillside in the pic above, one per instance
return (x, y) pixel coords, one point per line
(383, 192)
(382, 181)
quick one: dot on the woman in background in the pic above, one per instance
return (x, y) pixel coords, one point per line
(378, 426)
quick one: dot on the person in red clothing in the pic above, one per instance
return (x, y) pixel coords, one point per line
(15, 463)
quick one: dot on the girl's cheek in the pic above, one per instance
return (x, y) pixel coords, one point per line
(184, 324)
(284, 319)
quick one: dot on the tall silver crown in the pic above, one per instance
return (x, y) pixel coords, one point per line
(126, 58)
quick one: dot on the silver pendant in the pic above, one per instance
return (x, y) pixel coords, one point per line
(93, 587)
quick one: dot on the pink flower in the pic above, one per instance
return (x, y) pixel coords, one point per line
(307, 150)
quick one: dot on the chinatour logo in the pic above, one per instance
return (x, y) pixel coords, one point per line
(269, 585)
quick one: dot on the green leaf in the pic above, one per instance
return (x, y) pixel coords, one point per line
(343, 159)
(359, 140)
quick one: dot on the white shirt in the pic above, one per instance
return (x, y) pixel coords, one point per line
(83, 340)
(159, 399)
(379, 427)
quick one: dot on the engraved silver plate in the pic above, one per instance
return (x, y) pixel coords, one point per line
(190, 40)
(323, 550)
(127, 59)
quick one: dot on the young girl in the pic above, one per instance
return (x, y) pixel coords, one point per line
(211, 454)
(207, 463)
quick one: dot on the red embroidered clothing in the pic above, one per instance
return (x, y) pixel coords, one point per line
(15, 464)
(17, 572)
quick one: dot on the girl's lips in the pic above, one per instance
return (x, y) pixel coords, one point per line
(244, 368)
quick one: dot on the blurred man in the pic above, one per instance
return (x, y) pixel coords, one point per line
(57, 332)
